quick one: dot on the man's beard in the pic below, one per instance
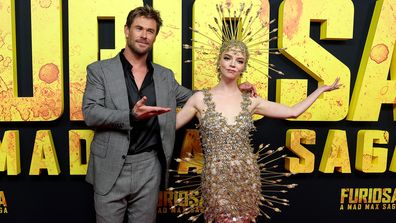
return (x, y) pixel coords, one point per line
(138, 51)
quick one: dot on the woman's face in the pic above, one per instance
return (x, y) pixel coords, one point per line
(232, 63)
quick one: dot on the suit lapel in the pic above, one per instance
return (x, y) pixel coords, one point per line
(117, 86)
(161, 92)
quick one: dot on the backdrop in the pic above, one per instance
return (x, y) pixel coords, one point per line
(341, 150)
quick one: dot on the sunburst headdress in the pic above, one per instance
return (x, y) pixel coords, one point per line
(230, 27)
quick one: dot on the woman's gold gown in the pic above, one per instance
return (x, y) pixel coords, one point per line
(231, 185)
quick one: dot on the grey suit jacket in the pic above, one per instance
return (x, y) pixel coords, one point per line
(106, 109)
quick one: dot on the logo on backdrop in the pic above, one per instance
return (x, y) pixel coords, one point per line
(3, 203)
(167, 202)
(367, 199)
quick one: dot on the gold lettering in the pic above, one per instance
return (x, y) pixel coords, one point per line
(44, 154)
(377, 195)
(386, 195)
(47, 101)
(344, 194)
(363, 194)
(335, 154)
(371, 159)
(3, 201)
(76, 166)
(372, 88)
(306, 161)
(336, 18)
(10, 153)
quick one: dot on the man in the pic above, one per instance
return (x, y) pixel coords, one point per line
(122, 99)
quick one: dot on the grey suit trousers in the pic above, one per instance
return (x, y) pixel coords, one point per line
(134, 193)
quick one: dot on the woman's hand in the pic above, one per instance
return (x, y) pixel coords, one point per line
(246, 86)
(334, 86)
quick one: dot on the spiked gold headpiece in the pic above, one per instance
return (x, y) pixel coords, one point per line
(230, 26)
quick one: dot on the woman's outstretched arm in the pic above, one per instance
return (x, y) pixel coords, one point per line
(276, 110)
(188, 111)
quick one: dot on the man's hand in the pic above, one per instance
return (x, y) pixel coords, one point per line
(246, 86)
(141, 111)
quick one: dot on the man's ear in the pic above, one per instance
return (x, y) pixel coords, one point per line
(126, 31)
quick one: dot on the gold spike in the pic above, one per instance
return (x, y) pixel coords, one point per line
(215, 31)
(206, 36)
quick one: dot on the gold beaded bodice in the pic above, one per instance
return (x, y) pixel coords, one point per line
(214, 128)
(231, 185)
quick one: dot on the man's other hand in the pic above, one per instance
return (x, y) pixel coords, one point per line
(142, 111)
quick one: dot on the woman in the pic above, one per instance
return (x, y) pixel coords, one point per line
(231, 186)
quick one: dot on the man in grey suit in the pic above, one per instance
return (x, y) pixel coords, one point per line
(131, 103)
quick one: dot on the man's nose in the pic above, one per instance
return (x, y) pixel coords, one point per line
(144, 34)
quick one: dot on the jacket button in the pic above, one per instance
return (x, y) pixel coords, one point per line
(123, 156)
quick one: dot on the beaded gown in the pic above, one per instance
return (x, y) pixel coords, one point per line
(231, 186)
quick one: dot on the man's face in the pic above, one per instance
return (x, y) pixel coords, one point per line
(141, 35)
